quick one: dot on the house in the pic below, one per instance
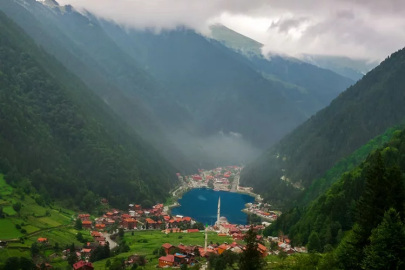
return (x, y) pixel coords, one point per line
(180, 259)
(86, 252)
(150, 223)
(91, 245)
(186, 219)
(166, 261)
(222, 248)
(104, 201)
(42, 240)
(168, 248)
(262, 249)
(96, 233)
(84, 217)
(100, 226)
(137, 207)
(129, 223)
(86, 224)
(193, 230)
(82, 265)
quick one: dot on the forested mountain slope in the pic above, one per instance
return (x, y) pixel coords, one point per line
(91, 55)
(55, 133)
(360, 113)
(359, 201)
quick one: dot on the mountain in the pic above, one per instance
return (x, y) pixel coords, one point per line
(57, 136)
(309, 86)
(354, 69)
(362, 112)
(348, 213)
(92, 56)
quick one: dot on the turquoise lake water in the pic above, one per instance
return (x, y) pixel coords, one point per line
(202, 205)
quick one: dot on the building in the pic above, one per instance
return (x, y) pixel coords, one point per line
(84, 217)
(86, 224)
(166, 261)
(129, 223)
(82, 265)
(168, 248)
(222, 248)
(262, 249)
(193, 230)
(150, 223)
(100, 226)
(42, 240)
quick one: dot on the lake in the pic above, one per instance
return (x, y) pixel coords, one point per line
(202, 205)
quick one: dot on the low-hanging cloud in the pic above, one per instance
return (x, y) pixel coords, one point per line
(356, 28)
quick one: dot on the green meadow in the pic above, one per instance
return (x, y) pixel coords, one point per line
(145, 242)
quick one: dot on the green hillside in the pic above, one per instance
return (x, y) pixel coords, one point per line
(58, 137)
(362, 112)
(353, 207)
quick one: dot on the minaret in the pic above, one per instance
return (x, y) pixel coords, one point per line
(206, 238)
(219, 210)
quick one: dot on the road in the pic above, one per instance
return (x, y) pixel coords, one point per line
(235, 184)
(112, 243)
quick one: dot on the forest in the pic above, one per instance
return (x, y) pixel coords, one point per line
(362, 112)
(358, 222)
(58, 137)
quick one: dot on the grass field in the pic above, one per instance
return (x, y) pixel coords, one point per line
(9, 210)
(8, 230)
(155, 239)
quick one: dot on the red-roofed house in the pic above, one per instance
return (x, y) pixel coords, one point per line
(193, 230)
(100, 226)
(42, 240)
(168, 247)
(95, 234)
(150, 223)
(129, 223)
(84, 217)
(86, 224)
(82, 265)
(222, 248)
(262, 249)
(166, 261)
(187, 219)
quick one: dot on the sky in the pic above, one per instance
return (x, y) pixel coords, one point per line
(368, 29)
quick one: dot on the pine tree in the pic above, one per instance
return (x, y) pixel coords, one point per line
(386, 249)
(251, 257)
(314, 243)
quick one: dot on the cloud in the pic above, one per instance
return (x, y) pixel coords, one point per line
(356, 28)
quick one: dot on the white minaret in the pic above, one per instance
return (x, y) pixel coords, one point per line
(206, 239)
(219, 210)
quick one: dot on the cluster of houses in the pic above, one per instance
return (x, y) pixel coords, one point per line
(284, 244)
(136, 218)
(182, 254)
(262, 210)
(220, 177)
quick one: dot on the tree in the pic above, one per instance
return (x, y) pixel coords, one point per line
(134, 266)
(121, 233)
(12, 263)
(78, 224)
(142, 261)
(17, 207)
(230, 257)
(107, 263)
(184, 267)
(26, 264)
(220, 263)
(197, 252)
(386, 249)
(147, 204)
(210, 184)
(251, 257)
(79, 237)
(314, 244)
(34, 249)
(72, 258)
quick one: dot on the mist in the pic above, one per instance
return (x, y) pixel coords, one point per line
(220, 149)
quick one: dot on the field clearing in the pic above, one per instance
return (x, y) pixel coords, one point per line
(7, 253)
(48, 222)
(9, 210)
(30, 228)
(61, 236)
(8, 230)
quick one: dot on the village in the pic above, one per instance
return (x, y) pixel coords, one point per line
(105, 228)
